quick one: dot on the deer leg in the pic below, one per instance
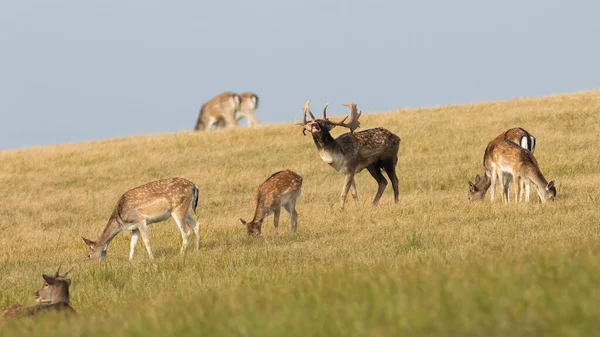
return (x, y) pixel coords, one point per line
(506, 187)
(527, 189)
(291, 208)
(252, 120)
(502, 182)
(347, 183)
(519, 190)
(376, 173)
(276, 214)
(354, 193)
(211, 121)
(230, 121)
(143, 229)
(260, 223)
(193, 224)
(180, 220)
(493, 186)
(390, 169)
(135, 235)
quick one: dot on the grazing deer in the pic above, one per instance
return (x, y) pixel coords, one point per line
(373, 149)
(248, 105)
(280, 189)
(512, 162)
(53, 296)
(478, 189)
(147, 204)
(219, 111)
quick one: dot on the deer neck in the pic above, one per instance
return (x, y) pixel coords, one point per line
(329, 149)
(484, 183)
(113, 228)
(535, 176)
(62, 296)
(260, 212)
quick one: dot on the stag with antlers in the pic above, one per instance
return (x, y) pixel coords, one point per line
(53, 296)
(374, 149)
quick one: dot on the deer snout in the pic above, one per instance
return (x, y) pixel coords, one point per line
(315, 127)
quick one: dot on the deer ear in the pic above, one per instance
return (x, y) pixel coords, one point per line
(89, 243)
(477, 179)
(472, 187)
(49, 279)
(550, 185)
(243, 221)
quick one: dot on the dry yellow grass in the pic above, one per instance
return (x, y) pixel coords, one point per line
(433, 264)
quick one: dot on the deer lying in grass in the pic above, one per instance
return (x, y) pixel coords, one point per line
(373, 149)
(280, 189)
(512, 162)
(150, 203)
(219, 111)
(478, 189)
(53, 296)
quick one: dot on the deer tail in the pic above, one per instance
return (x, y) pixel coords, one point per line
(195, 198)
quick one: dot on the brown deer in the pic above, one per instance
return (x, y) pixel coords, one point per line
(281, 189)
(373, 149)
(53, 296)
(512, 162)
(478, 189)
(150, 203)
(219, 111)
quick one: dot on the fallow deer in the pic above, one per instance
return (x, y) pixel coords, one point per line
(248, 105)
(373, 149)
(219, 111)
(281, 189)
(478, 189)
(150, 203)
(53, 296)
(512, 162)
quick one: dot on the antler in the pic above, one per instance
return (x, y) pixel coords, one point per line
(306, 109)
(58, 270)
(353, 124)
(68, 271)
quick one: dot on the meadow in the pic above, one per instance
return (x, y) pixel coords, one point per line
(431, 265)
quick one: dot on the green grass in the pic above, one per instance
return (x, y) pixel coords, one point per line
(433, 264)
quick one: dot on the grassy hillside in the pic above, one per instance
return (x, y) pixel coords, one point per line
(433, 264)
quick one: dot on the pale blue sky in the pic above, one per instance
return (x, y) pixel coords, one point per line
(82, 70)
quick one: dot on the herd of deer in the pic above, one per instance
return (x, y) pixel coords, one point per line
(507, 157)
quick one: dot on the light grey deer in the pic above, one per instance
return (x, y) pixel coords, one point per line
(219, 111)
(246, 109)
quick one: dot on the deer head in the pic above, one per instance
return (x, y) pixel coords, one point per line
(55, 288)
(477, 190)
(253, 227)
(96, 251)
(318, 124)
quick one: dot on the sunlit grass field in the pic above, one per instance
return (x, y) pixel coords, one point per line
(431, 265)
